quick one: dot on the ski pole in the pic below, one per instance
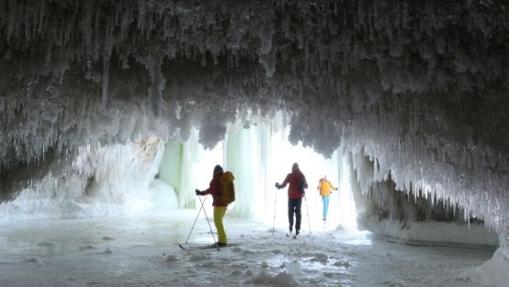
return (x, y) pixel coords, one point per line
(307, 212)
(274, 218)
(210, 226)
(196, 219)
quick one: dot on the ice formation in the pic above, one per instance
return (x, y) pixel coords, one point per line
(100, 181)
(421, 87)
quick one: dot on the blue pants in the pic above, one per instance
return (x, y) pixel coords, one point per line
(325, 200)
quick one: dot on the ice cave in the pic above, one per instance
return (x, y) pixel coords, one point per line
(114, 115)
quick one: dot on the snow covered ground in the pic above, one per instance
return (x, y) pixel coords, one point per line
(143, 251)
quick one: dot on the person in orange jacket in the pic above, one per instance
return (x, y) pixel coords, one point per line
(325, 186)
(297, 184)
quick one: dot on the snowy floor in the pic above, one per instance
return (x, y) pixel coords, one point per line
(143, 251)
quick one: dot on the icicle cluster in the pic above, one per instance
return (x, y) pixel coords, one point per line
(421, 85)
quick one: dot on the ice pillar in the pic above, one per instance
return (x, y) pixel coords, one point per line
(241, 156)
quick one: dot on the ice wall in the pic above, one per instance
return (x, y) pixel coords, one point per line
(420, 85)
(170, 168)
(101, 181)
(195, 169)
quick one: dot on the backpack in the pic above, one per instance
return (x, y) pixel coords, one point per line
(227, 191)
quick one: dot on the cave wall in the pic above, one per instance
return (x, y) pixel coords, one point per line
(420, 86)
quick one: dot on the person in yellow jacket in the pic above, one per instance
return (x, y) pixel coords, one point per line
(325, 187)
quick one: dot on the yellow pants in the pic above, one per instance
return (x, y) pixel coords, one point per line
(218, 221)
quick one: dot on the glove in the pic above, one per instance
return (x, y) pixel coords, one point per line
(197, 192)
(277, 185)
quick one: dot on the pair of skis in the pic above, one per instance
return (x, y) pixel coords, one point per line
(211, 246)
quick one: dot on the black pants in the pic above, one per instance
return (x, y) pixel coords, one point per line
(294, 207)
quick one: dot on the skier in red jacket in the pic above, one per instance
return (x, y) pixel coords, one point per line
(297, 184)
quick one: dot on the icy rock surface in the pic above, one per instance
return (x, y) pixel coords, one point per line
(420, 86)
